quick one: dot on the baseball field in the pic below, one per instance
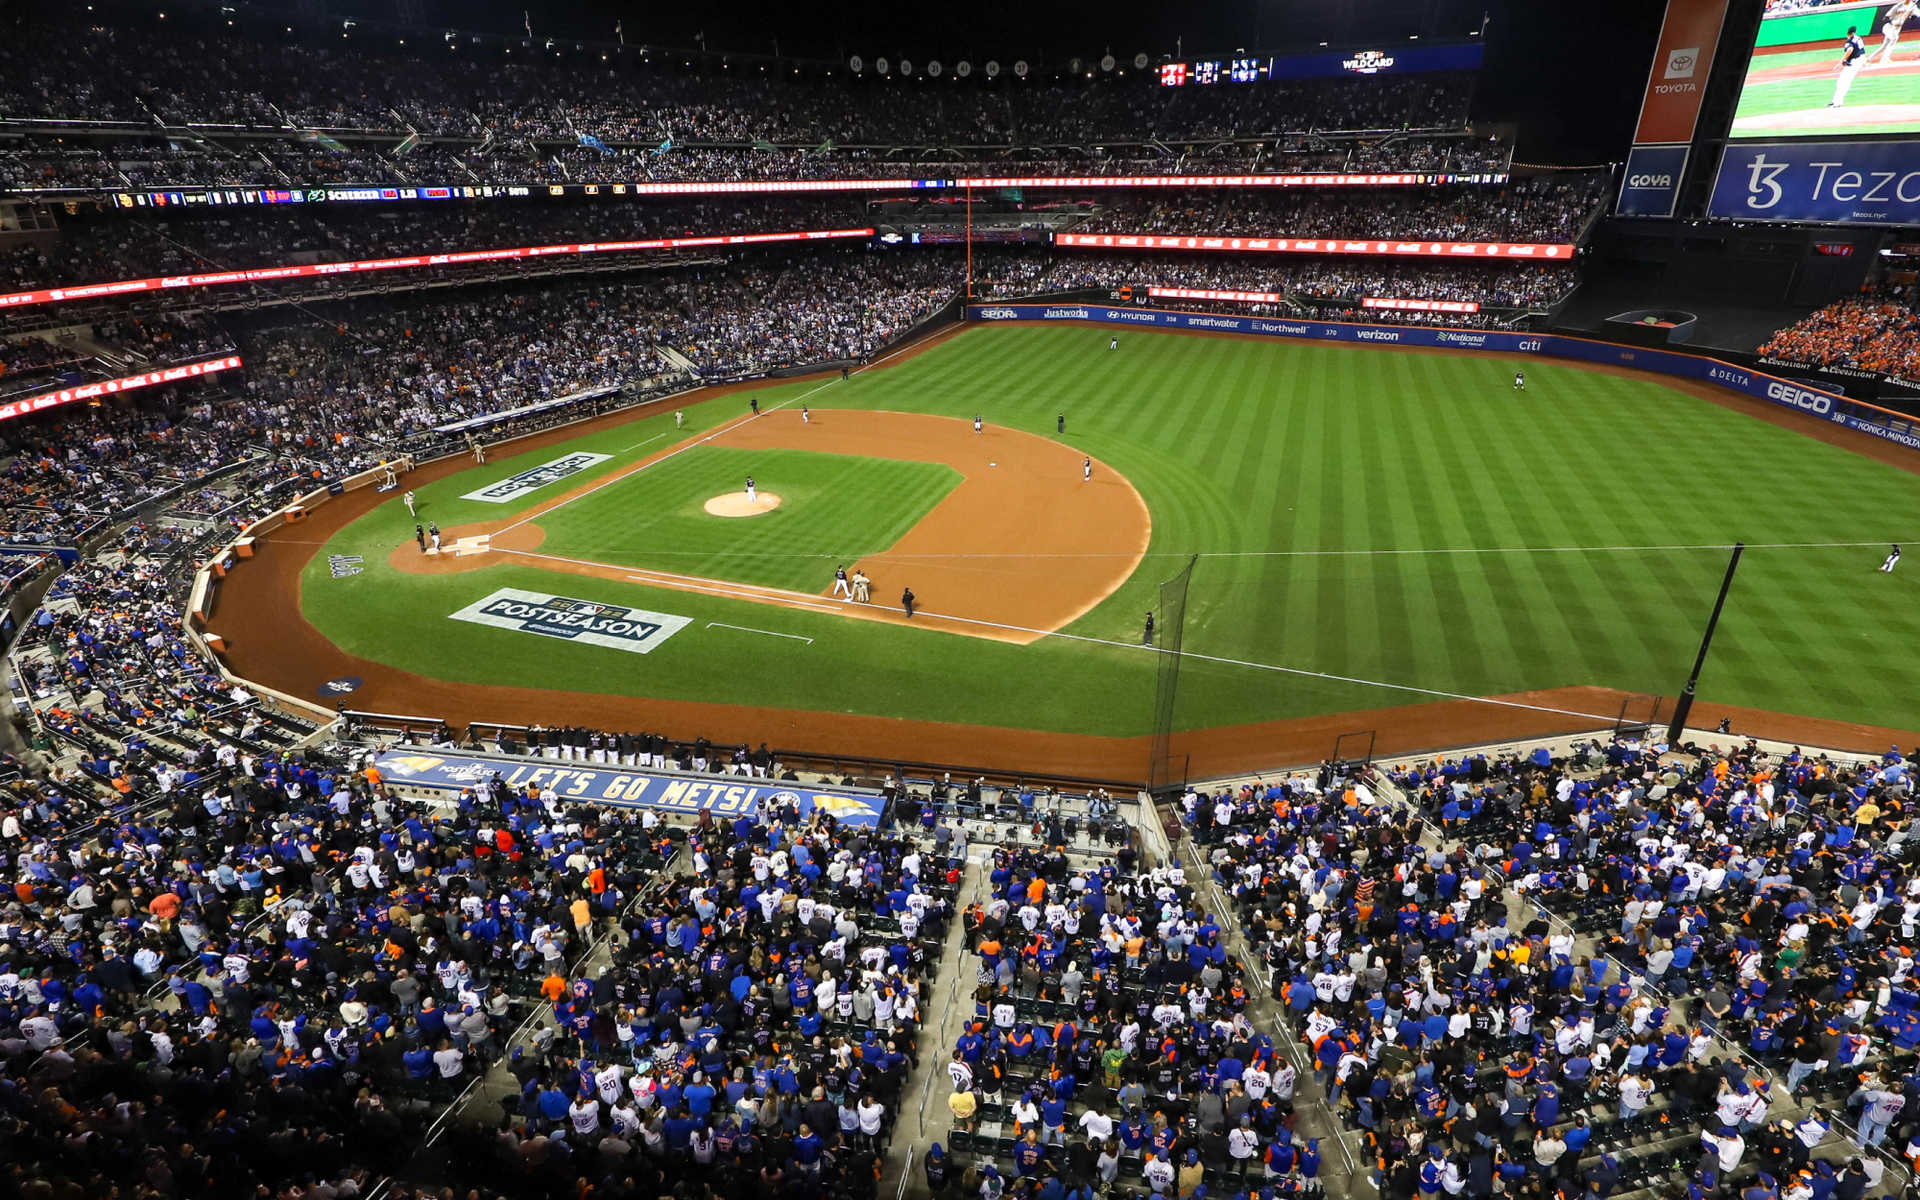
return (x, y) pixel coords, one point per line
(1375, 529)
(1789, 88)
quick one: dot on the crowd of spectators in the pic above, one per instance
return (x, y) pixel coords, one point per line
(1633, 967)
(45, 164)
(1493, 283)
(1876, 331)
(1110, 1033)
(1526, 211)
(230, 965)
(325, 395)
(73, 71)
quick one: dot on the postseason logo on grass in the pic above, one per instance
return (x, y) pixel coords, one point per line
(535, 479)
(564, 617)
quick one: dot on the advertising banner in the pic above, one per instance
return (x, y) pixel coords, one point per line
(124, 287)
(1678, 81)
(729, 796)
(1834, 183)
(1409, 249)
(1651, 185)
(1787, 393)
(110, 387)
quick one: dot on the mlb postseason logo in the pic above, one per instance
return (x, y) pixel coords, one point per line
(535, 479)
(608, 625)
(343, 565)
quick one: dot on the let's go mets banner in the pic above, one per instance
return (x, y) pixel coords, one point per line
(728, 796)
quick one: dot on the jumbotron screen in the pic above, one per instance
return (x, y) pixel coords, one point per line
(1832, 67)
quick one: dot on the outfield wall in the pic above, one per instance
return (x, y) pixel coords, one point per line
(1854, 414)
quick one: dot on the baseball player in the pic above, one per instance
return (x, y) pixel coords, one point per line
(862, 587)
(840, 587)
(806, 418)
(1146, 635)
(1853, 56)
(1890, 32)
(753, 495)
(679, 418)
(753, 402)
(1086, 470)
(1519, 381)
(1061, 423)
(976, 423)
(1893, 557)
(479, 451)
(1114, 343)
(408, 501)
(389, 480)
(433, 531)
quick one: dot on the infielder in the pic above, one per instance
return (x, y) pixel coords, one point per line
(976, 422)
(1893, 556)
(840, 587)
(1853, 56)
(408, 501)
(806, 418)
(1890, 31)
(753, 495)
(1086, 471)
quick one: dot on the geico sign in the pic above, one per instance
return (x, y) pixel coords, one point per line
(1786, 393)
(1649, 181)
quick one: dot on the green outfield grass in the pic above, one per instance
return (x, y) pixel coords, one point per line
(831, 506)
(1385, 517)
(1871, 86)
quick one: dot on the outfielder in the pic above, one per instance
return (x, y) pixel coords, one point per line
(1853, 56)
(1519, 381)
(1893, 556)
(1890, 31)
(840, 587)
(753, 495)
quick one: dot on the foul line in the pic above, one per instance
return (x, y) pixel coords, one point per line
(656, 437)
(851, 557)
(702, 441)
(770, 633)
(695, 583)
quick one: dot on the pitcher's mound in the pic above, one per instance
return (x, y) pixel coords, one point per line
(736, 504)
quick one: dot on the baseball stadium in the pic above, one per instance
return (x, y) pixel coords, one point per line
(854, 605)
